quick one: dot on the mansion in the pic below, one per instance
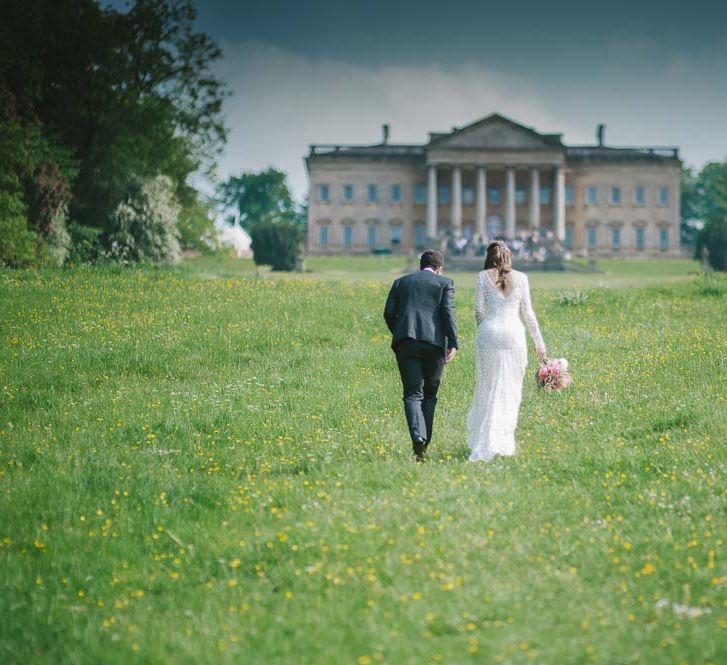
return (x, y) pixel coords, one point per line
(493, 179)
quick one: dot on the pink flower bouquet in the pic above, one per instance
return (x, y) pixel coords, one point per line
(553, 374)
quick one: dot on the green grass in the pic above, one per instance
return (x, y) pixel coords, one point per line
(197, 465)
(610, 273)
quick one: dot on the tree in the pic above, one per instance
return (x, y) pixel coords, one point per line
(196, 228)
(691, 213)
(268, 214)
(145, 224)
(34, 184)
(126, 94)
(260, 198)
(276, 245)
(712, 191)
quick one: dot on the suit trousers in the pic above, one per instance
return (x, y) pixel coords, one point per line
(421, 365)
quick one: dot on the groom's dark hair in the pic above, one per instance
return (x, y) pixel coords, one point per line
(432, 258)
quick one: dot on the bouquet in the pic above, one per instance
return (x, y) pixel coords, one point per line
(553, 374)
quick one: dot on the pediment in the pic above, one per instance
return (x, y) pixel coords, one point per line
(496, 132)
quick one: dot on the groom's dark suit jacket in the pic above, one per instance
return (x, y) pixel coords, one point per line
(420, 306)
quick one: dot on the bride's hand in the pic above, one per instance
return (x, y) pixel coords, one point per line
(540, 353)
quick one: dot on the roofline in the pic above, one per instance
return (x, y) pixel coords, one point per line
(492, 116)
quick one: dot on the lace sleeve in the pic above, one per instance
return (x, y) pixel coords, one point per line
(479, 300)
(526, 310)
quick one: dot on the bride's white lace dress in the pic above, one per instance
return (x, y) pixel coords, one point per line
(500, 361)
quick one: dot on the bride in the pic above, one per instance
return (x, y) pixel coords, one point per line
(501, 296)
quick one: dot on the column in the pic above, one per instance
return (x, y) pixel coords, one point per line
(481, 220)
(559, 204)
(456, 201)
(431, 202)
(510, 204)
(534, 198)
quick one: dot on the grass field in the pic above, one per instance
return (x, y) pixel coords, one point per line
(202, 466)
(609, 273)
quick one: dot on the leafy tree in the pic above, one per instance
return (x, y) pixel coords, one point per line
(196, 228)
(17, 242)
(712, 239)
(260, 198)
(126, 94)
(711, 190)
(691, 213)
(276, 245)
(712, 244)
(35, 193)
(268, 214)
(86, 244)
(145, 223)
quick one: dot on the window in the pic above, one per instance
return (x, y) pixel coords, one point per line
(493, 196)
(663, 196)
(348, 193)
(420, 236)
(347, 236)
(663, 239)
(468, 195)
(443, 195)
(616, 239)
(640, 237)
(592, 195)
(639, 196)
(545, 196)
(323, 236)
(591, 237)
(494, 226)
(569, 195)
(323, 193)
(372, 193)
(420, 193)
(395, 235)
(372, 236)
(569, 236)
(521, 196)
(615, 196)
(396, 193)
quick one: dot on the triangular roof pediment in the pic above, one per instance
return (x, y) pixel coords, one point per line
(495, 132)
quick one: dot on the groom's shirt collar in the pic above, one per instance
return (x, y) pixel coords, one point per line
(430, 269)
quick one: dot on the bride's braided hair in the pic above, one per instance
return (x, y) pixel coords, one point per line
(499, 256)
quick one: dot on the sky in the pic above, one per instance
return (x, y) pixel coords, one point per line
(332, 71)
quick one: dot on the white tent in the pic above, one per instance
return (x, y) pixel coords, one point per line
(234, 236)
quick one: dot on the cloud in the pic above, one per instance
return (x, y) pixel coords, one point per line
(283, 101)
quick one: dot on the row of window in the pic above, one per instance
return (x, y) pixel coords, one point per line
(615, 196)
(616, 236)
(372, 237)
(493, 195)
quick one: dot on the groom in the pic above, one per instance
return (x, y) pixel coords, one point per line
(420, 314)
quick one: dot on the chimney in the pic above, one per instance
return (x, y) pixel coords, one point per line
(600, 134)
(385, 129)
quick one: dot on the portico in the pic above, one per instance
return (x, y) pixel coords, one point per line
(494, 149)
(437, 172)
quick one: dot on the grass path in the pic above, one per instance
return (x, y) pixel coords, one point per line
(203, 467)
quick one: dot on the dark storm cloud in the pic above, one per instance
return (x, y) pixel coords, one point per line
(330, 70)
(537, 35)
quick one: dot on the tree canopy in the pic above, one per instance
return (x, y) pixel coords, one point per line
(102, 97)
(260, 198)
(711, 205)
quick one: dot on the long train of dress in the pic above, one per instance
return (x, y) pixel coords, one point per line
(500, 363)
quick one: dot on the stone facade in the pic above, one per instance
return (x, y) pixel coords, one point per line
(493, 178)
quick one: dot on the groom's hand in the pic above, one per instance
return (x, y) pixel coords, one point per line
(449, 356)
